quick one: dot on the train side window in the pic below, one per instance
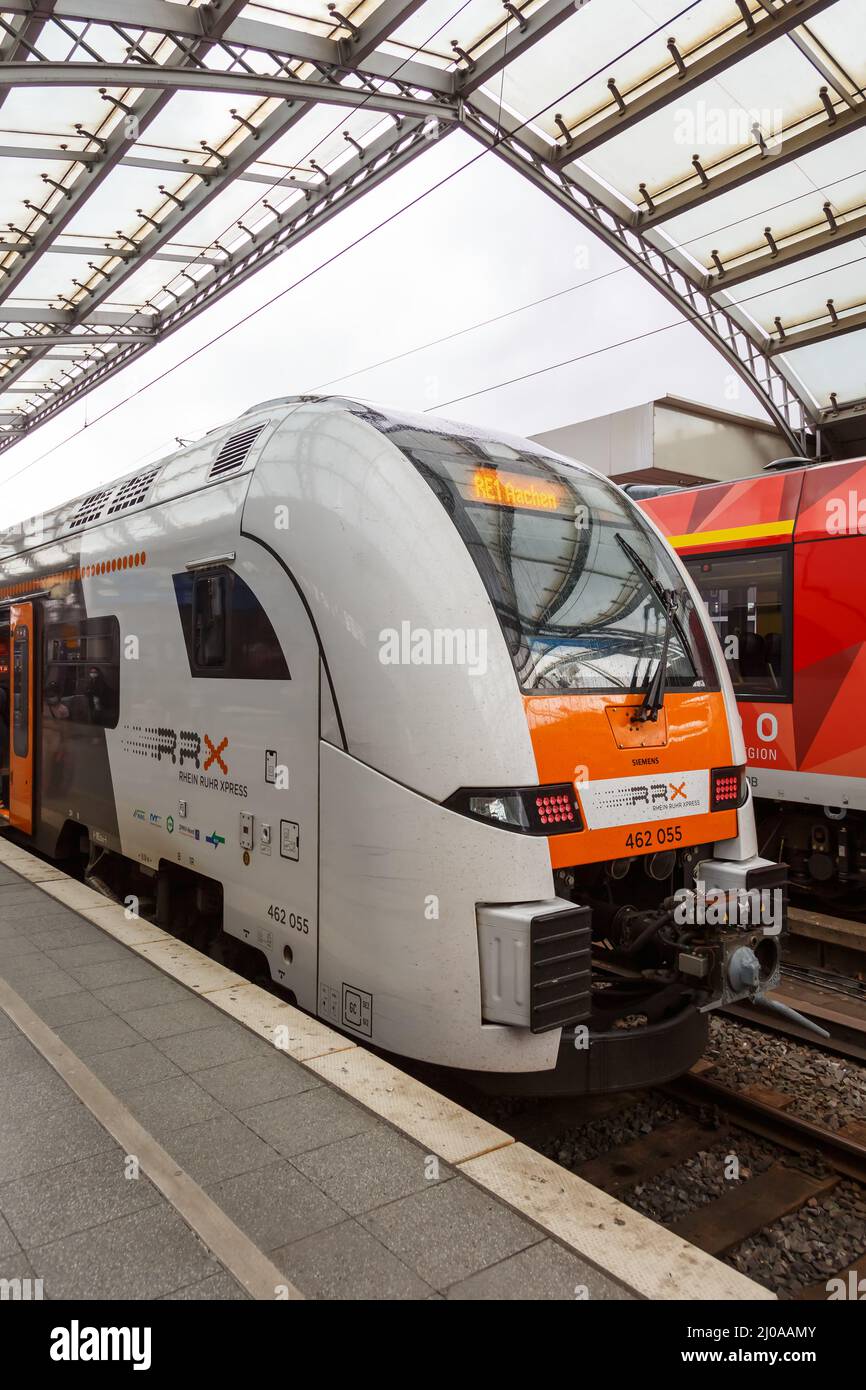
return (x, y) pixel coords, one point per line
(209, 621)
(82, 671)
(226, 630)
(748, 597)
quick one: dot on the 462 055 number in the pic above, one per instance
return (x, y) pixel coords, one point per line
(654, 835)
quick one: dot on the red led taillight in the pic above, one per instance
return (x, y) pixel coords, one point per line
(726, 788)
(557, 808)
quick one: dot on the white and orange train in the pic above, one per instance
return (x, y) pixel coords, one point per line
(426, 719)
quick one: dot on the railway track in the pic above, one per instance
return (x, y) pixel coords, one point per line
(836, 1002)
(784, 1188)
(704, 1125)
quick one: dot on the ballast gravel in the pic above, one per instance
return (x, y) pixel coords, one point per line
(708, 1174)
(826, 1089)
(810, 1246)
(572, 1147)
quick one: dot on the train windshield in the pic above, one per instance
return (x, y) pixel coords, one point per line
(559, 551)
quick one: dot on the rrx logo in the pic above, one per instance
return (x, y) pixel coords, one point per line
(654, 793)
(185, 746)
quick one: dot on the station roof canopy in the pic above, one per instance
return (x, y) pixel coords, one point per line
(158, 153)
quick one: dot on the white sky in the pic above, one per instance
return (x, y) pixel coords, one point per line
(482, 245)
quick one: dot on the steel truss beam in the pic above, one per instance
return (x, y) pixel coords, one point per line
(177, 78)
(382, 158)
(739, 170)
(117, 144)
(15, 46)
(530, 157)
(64, 318)
(514, 41)
(43, 153)
(842, 412)
(185, 24)
(28, 340)
(701, 64)
(386, 18)
(196, 31)
(796, 246)
(822, 332)
(86, 248)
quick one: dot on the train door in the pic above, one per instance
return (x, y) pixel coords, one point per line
(5, 714)
(20, 720)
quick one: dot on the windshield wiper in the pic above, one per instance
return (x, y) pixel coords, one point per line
(654, 698)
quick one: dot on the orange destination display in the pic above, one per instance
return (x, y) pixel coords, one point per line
(521, 490)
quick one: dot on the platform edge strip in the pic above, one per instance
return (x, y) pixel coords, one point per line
(638, 1253)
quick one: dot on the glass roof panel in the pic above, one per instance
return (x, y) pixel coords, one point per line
(308, 15)
(70, 230)
(49, 278)
(191, 117)
(33, 109)
(113, 203)
(630, 46)
(432, 27)
(144, 282)
(786, 197)
(25, 182)
(320, 134)
(774, 88)
(836, 365)
(801, 292)
(841, 31)
(835, 271)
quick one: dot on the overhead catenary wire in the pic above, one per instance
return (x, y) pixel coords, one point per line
(533, 304)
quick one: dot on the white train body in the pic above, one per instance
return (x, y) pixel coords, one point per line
(297, 752)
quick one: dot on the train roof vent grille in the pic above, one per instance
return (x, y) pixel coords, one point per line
(232, 454)
(132, 492)
(89, 509)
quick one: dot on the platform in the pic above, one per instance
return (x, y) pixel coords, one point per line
(168, 1130)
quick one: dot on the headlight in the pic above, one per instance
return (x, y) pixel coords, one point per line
(527, 810)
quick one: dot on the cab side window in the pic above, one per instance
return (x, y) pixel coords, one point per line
(226, 630)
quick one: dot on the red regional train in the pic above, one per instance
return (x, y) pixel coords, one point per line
(780, 560)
